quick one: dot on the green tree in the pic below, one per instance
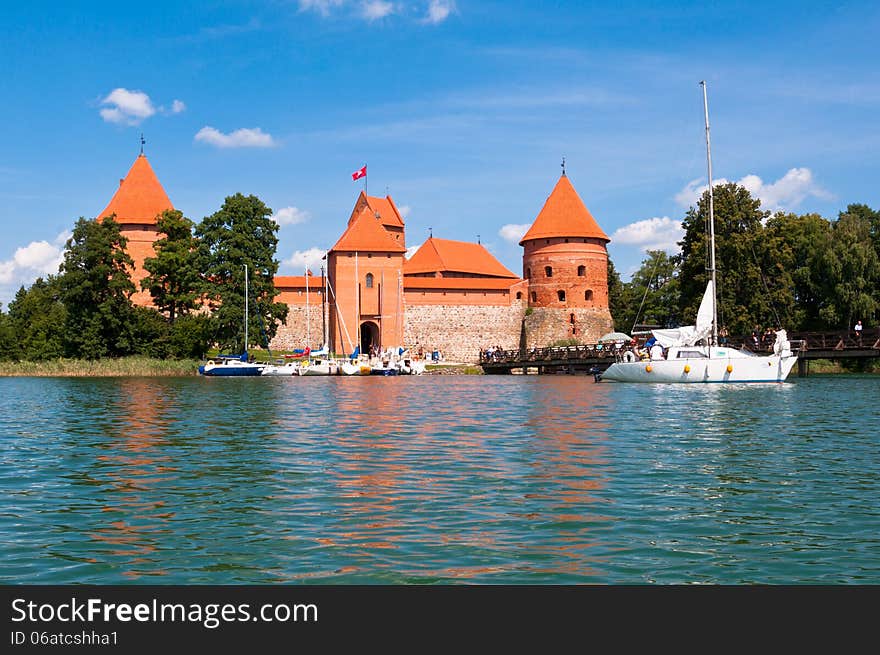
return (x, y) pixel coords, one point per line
(8, 348)
(746, 296)
(615, 294)
(37, 320)
(794, 248)
(174, 280)
(651, 297)
(851, 272)
(241, 233)
(96, 289)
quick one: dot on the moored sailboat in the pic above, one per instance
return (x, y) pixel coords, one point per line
(692, 353)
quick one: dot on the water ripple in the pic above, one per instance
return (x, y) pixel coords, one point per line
(438, 479)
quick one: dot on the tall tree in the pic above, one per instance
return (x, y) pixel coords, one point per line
(851, 273)
(37, 319)
(651, 297)
(615, 294)
(96, 289)
(174, 280)
(8, 348)
(794, 248)
(241, 233)
(743, 298)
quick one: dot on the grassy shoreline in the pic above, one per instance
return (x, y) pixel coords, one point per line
(122, 367)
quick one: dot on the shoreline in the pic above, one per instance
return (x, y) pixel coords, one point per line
(152, 367)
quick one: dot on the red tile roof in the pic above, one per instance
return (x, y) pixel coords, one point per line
(384, 207)
(298, 281)
(564, 215)
(458, 283)
(442, 255)
(140, 197)
(365, 233)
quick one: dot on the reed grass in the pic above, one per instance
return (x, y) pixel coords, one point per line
(122, 367)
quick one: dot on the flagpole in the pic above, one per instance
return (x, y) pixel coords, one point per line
(365, 180)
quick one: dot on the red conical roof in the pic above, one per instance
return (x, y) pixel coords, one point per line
(140, 197)
(564, 215)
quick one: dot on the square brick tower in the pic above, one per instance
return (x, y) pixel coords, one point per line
(565, 262)
(365, 270)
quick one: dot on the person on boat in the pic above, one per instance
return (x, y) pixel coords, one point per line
(656, 351)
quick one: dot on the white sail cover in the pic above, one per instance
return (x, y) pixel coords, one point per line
(688, 335)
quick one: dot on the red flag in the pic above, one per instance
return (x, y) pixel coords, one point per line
(359, 173)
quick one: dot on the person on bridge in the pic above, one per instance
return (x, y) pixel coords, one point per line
(858, 329)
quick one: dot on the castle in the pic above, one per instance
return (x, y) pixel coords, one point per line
(451, 296)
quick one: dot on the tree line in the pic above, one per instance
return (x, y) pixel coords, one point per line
(196, 281)
(801, 272)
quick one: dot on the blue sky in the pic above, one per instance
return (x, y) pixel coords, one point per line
(461, 110)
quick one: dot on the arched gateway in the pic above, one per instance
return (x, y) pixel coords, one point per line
(369, 337)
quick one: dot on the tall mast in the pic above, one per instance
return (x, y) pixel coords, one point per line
(308, 316)
(711, 222)
(245, 309)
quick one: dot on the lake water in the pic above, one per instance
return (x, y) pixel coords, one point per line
(438, 479)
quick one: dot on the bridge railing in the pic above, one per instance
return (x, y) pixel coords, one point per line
(800, 341)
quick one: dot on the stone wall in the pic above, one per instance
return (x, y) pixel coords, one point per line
(459, 332)
(293, 334)
(545, 326)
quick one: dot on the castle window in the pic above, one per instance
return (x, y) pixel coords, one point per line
(534, 297)
(588, 294)
(519, 295)
(571, 318)
(548, 271)
(561, 295)
(369, 280)
(582, 270)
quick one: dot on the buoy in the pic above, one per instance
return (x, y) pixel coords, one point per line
(730, 368)
(687, 368)
(648, 368)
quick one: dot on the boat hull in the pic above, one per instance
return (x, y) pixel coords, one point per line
(702, 370)
(231, 370)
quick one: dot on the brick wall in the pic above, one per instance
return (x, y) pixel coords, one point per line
(545, 326)
(293, 333)
(460, 331)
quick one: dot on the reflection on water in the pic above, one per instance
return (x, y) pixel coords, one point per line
(437, 479)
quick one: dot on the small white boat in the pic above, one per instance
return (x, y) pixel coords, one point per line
(282, 369)
(320, 367)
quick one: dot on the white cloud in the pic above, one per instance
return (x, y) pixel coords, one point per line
(301, 260)
(438, 11)
(784, 194)
(178, 106)
(513, 232)
(411, 251)
(323, 7)
(241, 138)
(376, 9)
(651, 234)
(127, 107)
(290, 216)
(38, 258)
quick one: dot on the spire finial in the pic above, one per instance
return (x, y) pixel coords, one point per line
(478, 239)
(430, 233)
(563, 165)
(143, 142)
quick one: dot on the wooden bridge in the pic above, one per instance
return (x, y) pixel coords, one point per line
(592, 358)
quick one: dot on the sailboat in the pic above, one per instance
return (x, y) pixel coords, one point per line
(234, 365)
(692, 352)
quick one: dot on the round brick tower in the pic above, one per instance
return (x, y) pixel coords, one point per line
(565, 262)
